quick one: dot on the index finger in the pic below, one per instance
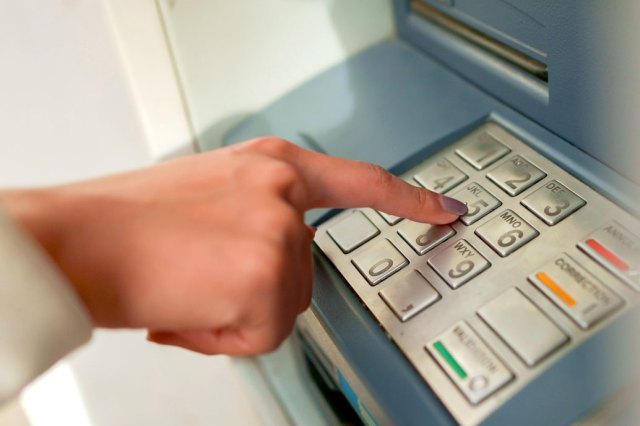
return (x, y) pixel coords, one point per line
(337, 182)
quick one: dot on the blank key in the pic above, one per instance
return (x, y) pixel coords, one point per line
(352, 231)
(522, 326)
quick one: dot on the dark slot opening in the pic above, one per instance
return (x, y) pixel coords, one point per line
(482, 41)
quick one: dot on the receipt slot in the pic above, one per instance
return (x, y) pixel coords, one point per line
(524, 311)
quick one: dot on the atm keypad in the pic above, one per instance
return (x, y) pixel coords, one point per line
(516, 175)
(539, 264)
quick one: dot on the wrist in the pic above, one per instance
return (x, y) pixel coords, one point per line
(33, 211)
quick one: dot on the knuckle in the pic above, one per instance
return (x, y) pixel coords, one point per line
(278, 217)
(273, 146)
(279, 175)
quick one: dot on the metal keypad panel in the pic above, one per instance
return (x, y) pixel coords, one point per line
(539, 250)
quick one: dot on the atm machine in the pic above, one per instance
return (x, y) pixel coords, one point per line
(524, 310)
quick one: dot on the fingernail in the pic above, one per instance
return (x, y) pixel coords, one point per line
(453, 206)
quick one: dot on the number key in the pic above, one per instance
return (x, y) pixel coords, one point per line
(440, 176)
(458, 263)
(553, 202)
(379, 262)
(516, 175)
(484, 147)
(479, 201)
(506, 233)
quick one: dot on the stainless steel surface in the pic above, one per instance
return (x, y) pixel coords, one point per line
(506, 232)
(458, 263)
(515, 175)
(463, 303)
(482, 147)
(575, 290)
(352, 231)
(410, 295)
(553, 202)
(479, 201)
(618, 250)
(440, 176)
(379, 261)
(469, 362)
(422, 237)
(522, 326)
(389, 218)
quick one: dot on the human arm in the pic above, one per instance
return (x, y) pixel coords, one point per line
(208, 252)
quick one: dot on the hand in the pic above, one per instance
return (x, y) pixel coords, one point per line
(208, 252)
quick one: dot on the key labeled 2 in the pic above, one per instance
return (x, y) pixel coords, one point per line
(516, 175)
(458, 263)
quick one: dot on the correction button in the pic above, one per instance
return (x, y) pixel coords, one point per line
(506, 233)
(553, 202)
(440, 176)
(478, 200)
(423, 237)
(469, 362)
(353, 230)
(379, 262)
(616, 249)
(515, 175)
(484, 147)
(409, 295)
(522, 326)
(577, 292)
(458, 263)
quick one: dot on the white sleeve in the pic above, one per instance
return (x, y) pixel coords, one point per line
(41, 317)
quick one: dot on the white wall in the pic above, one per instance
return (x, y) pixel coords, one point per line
(236, 57)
